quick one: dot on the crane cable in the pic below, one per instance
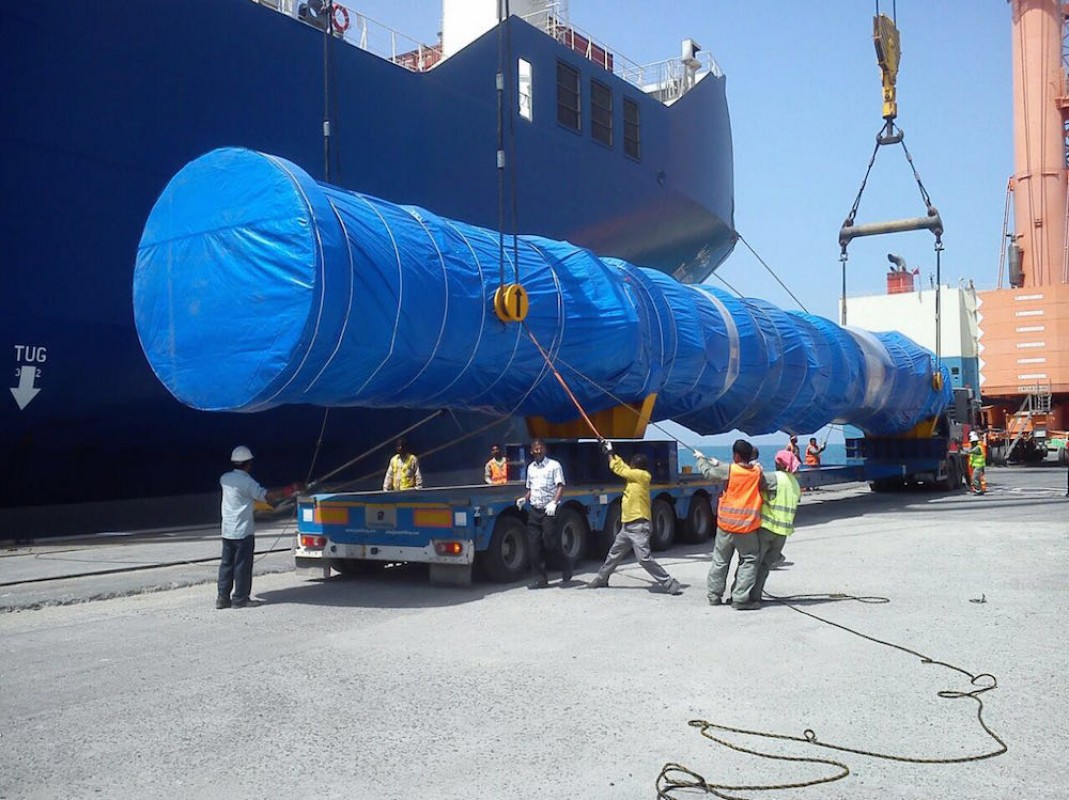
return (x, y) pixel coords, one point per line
(676, 777)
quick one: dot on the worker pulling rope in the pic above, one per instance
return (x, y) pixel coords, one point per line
(675, 778)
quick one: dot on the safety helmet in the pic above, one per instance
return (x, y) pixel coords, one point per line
(241, 454)
(974, 437)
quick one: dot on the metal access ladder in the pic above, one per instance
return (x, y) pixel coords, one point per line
(1036, 402)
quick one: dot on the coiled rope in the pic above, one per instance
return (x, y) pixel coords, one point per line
(675, 778)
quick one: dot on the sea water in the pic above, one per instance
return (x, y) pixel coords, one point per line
(835, 454)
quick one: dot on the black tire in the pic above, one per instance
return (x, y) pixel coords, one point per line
(885, 484)
(700, 524)
(357, 567)
(663, 524)
(607, 535)
(574, 533)
(1063, 456)
(506, 559)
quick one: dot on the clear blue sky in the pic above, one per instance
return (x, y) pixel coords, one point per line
(805, 102)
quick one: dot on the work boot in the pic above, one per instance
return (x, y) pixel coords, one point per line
(673, 587)
(715, 600)
(596, 583)
(541, 583)
(222, 602)
(248, 603)
(566, 571)
(749, 605)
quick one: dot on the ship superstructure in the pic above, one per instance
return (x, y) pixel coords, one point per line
(109, 104)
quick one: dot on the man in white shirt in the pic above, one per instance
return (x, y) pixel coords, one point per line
(240, 493)
(545, 486)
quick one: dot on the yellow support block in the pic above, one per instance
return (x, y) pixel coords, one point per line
(619, 422)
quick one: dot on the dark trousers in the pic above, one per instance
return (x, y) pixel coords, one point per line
(235, 567)
(543, 537)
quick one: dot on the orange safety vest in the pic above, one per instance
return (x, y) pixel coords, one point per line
(740, 504)
(812, 457)
(499, 473)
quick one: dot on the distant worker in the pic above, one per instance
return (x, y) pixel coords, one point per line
(496, 471)
(792, 445)
(737, 520)
(545, 487)
(780, 503)
(635, 528)
(240, 493)
(977, 464)
(813, 451)
(403, 470)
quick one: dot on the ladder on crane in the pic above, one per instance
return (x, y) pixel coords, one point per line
(1037, 401)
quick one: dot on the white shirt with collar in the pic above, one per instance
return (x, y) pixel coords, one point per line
(543, 478)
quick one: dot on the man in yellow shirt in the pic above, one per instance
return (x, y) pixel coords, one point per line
(635, 529)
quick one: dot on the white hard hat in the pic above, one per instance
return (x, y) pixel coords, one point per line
(974, 437)
(241, 454)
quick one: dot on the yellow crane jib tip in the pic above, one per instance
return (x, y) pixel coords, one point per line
(511, 303)
(888, 52)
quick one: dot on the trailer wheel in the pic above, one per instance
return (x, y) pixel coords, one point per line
(574, 530)
(607, 535)
(357, 567)
(1063, 456)
(699, 524)
(664, 525)
(505, 560)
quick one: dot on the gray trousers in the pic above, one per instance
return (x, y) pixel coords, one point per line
(771, 549)
(634, 535)
(749, 550)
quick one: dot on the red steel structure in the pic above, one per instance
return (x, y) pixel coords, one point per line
(1024, 325)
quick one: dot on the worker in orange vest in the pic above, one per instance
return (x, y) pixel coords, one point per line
(813, 451)
(737, 520)
(496, 471)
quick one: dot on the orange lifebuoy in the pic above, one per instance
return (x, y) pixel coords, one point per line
(341, 18)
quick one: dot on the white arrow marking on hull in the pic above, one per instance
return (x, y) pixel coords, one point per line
(25, 391)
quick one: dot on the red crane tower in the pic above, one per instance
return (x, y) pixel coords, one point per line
(1024, 324)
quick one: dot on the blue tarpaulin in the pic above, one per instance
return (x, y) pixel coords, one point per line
(258, 286)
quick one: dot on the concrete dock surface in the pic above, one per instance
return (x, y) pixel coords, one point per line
(129, 684)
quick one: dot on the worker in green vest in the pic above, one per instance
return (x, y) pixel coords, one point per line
(777, 519)
(977, 463)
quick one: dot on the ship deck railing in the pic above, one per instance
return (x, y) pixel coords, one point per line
(666, 80)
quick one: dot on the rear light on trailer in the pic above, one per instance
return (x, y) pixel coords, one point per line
(448, 548)
(314, 541)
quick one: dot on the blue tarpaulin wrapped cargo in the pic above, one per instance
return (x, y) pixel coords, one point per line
(258, 286)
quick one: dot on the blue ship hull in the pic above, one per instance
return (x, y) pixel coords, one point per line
(105, 102)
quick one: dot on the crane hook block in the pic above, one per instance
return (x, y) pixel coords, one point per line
(888, 51)
(511, 302)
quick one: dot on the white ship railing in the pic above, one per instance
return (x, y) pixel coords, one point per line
(666, 80)
(370, 35)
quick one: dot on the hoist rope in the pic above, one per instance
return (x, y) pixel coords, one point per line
(771, 272)
(676, 777)
(563, 383)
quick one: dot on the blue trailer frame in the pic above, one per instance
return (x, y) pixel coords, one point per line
(455, 529)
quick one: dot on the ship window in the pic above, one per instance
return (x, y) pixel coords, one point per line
(567, 96)
(524, 83)
(632, 142)
(601, 112)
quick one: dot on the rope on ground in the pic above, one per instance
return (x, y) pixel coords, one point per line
(675, 777)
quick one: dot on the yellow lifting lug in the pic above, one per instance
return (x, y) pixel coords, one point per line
(888, 52)
(511, 302)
